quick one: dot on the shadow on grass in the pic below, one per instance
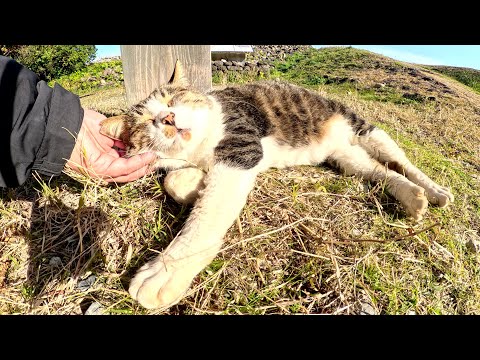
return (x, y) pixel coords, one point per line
(69, 240)
(62, 241)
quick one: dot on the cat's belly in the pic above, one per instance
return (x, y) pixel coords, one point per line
(281, 156)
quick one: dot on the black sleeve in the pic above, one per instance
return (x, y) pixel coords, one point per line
(37, 124)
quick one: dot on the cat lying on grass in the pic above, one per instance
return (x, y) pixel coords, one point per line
(215, 144)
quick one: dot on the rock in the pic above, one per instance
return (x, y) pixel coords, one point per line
(414, 96)
(367, 309)
(341, 80)
(356, 233)
(106, 59)
(55, 261)
(427, 78)
(365, 305)
(391, 69)
(95, 308)
(108, 71)
(473, 245)
(84, 285)
(411, 312)
(260, 59)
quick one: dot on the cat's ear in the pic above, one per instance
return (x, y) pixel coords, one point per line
(179, 77)
(114, 127)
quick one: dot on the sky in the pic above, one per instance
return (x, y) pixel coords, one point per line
(452, 55)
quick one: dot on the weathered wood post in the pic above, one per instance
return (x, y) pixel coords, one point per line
(145, 67)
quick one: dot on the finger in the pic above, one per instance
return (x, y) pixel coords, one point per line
(124, 167)
(114, 153)
(106, 141)
(145, 170)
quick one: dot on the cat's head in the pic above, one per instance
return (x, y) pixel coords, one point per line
(172, 118)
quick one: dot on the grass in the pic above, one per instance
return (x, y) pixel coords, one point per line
(467, 76)
(309, 240)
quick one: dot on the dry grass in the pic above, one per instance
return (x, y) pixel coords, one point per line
(308, 241)
(109, 102)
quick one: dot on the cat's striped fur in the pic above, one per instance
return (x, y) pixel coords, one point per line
(217, 143)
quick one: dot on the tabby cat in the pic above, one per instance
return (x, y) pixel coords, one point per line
(215, 144)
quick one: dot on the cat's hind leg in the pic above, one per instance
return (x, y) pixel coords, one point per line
(384, 149)
(184, 185)
(354, 160)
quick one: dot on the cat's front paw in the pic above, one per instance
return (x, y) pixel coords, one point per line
(159, 284)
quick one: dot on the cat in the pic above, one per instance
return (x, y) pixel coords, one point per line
(215, 144)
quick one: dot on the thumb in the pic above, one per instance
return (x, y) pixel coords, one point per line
(147, 157)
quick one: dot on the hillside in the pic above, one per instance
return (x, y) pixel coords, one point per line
(309, 240)
(467, 76)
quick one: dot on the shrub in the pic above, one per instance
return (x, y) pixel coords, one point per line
(10, 50)
(93, 77)
(53, 61)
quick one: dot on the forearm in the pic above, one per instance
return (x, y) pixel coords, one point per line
(37, 124)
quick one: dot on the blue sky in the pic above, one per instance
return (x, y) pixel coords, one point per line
(453, 55)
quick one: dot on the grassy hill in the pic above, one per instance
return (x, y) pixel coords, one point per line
(467, 76)
(309, 240)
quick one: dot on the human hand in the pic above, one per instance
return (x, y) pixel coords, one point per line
(94, 154)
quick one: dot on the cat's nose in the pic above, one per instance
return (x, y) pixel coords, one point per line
(166, 117)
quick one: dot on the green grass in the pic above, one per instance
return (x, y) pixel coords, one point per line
(333, 67)
(433, 163)
(469, 77)
(305, 65)
(323, 66)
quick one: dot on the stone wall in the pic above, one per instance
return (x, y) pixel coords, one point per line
(260, 59)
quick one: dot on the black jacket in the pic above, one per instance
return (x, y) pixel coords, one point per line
(37, 124)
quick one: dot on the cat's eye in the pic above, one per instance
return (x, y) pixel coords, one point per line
(170, 103)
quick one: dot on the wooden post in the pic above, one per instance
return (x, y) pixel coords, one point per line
(145, 67)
